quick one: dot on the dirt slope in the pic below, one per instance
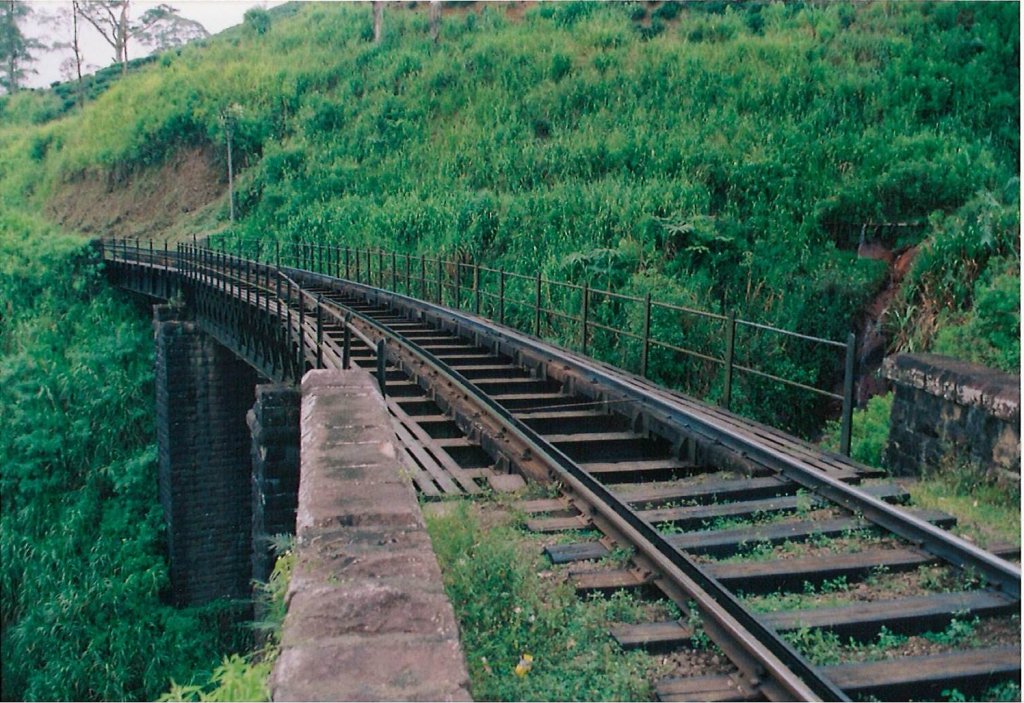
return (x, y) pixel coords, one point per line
(158, 202)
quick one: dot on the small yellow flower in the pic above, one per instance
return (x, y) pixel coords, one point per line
(524, 665)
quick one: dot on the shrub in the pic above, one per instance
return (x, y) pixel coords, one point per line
(257, 20)
(990, 333)
(870, 432)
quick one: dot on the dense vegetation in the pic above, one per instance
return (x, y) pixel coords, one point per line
(82, 565)
(718, 155)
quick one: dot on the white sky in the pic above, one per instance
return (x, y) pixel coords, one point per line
(215, 15)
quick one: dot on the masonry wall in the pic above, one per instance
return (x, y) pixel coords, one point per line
(203, 394)
(946, 407)
(368, 618)
(274, 426)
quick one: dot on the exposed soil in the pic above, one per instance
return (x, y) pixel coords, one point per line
(873, 339)
(148, 203)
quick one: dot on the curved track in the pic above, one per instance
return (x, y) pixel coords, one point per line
(714, 509)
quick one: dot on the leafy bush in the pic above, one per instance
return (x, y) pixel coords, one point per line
(257, 20)
(870, 432)
(990, 333)
(245, 678)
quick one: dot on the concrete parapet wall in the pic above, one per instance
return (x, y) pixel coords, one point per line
(368, 618)
(944, 406)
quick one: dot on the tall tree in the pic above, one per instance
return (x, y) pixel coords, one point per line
(161, 26)
(110, 19)
(65, 21)
(15, 48)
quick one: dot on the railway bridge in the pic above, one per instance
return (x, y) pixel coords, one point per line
(252, 389)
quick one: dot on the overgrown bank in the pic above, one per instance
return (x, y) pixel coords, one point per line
(717, 154)
(82, 565)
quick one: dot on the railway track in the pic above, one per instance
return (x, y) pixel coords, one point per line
(762, 541)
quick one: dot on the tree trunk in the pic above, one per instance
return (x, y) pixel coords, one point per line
(12, 61)
(378, 21)
(123, 38)
(78, 52)
(435, 20)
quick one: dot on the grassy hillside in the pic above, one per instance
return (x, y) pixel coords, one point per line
(722, 155)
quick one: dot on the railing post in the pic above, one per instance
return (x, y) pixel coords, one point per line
(302, 331)
(290, 350)
(423, 276)
(381, 371)
(408, 275)
(357, 265)
(320, 256)
(319, 332)
(394, 271)
(440, 285)
(348, 269)
(846, 426)
(476, 288)
(536, 308)
(380, 267)
(730, 355)
(277, 254)
(346, 347)
(458, 283)
(501, 296)
(647, 336)
(584, 317)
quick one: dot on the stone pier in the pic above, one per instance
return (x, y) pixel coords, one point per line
(203, 393)
(274, 425)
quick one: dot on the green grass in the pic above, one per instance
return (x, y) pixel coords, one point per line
(720, 154)
(505, 609)
(987, 511)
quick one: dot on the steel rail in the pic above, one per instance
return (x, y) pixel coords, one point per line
(775, 658)
(959, 552)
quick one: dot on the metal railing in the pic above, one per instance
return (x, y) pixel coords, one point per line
(704, 348)
(263, 288)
